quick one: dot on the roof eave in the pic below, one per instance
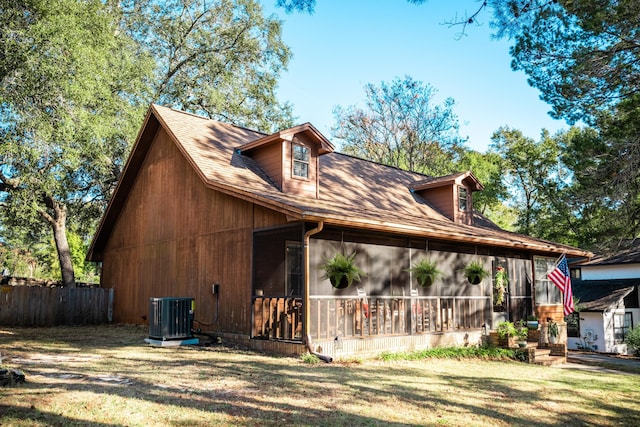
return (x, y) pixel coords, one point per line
(385, 226)
(324, 145)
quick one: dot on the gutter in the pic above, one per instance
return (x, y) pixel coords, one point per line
(505, 242)
(307, 300)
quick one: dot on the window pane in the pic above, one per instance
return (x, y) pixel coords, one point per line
(546, 291)
(628, 321)
(541, 293)
(573, 325)
(300, 161)
(300, 153)
(462, 198)
(301, 169)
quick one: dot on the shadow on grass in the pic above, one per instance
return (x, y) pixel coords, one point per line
(248, 388)
(33, 415)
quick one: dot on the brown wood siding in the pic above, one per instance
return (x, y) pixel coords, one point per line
(442, 199)
(295, 185)
(468, 217)
(265, 218)
(270, 160)
(175, 238)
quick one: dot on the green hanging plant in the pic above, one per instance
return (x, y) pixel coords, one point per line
(475, 272)
(341, 270)
(500, 285)
(426, 272)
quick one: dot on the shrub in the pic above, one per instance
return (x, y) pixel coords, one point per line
(309, 358)
(482, 352)
(633, 339)
(508, 329)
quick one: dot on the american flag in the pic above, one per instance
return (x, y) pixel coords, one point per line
(561, 278)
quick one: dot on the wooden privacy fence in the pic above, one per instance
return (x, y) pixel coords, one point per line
(51, 306)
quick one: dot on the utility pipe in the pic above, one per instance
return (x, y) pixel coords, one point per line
(307, 300)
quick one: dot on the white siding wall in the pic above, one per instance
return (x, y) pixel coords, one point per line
(601, 326)
(589, 322)
(608, 272)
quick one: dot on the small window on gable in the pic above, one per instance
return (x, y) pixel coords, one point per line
(462, 199)
(300, 161)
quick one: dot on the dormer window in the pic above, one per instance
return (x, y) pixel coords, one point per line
(290, 158)
(451, 195)
(300, 161)
(462, 199)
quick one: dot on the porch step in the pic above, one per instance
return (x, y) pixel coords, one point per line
(542, 356)
(542, 352)
(549, 360)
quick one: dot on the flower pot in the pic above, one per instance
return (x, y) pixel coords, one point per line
(474, 279)
(341, 284)
(553, 339)
(532, 324)
(428, 281)
(522, 344)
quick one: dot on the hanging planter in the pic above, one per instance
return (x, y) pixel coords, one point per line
(426, 272)
(475, 272)
(341, 270)
(500, 285)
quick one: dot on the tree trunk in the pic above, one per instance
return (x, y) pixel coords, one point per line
(59, 226)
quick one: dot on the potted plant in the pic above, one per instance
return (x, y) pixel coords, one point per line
(500, 285)
(509, 329)
(532, 322)
(426, 272)
(341, 270)
(505, 331)
(475, 272)
(552, 329)
(522, 333)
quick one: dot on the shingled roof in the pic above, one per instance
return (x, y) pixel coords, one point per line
(627, 255)
(600, 295)
(353, 192)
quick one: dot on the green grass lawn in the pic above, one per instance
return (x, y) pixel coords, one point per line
(107, 375)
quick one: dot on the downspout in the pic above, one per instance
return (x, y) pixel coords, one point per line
(307, 300)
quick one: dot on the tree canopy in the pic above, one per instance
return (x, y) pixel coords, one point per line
(77, 77)
(219, 58)
(584, 57)
(65, 121)
(401, 126)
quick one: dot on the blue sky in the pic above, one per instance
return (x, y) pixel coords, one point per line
(347, 44)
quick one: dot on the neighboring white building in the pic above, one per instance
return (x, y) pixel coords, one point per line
(607, 290)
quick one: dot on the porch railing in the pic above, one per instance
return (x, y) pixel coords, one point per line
(280, 317)
(277, 317)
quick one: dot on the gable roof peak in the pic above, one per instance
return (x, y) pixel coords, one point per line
(324, 145)
(460, 178)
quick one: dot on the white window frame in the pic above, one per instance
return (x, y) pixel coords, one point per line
(463, 201)
(305, 161)
(546, 293)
